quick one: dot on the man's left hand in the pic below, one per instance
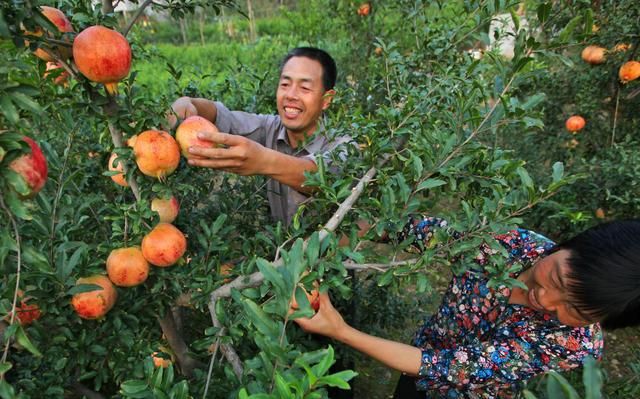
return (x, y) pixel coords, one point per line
(236, 154)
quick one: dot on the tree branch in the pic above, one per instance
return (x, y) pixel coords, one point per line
(135, 17)
(187, 363)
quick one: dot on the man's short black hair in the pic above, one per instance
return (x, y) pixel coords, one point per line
(604, 265)
(329, 69)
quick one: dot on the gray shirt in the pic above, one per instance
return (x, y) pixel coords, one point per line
(269, 131)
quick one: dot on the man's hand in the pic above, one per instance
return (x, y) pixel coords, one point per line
(237, 154)
(181, 108)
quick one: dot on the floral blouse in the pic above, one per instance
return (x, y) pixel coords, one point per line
(478, 345)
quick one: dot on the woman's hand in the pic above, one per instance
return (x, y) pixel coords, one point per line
(327, 321)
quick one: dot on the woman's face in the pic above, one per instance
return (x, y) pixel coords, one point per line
(548, 284)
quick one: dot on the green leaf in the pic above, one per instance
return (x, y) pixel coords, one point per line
(26, 103)
(77, 289)
(282, 388)
(558, 171)
(592, 379)
(544, 10)
(430, 183)
(338, 379)
(16, 205)
(8, 109)
(321, 368)
(133, 386)
(524, 177)
(4, 367)
(528, 394)
(6, 390)
(559, 387)
(313, 248)
(4, 28)
(259, 318)
(271, 275)
(23, 339)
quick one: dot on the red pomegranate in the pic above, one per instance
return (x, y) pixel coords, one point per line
(575, 123)
(127, 267)
(32, 167)
(94, 304)
(164, 245)
(102, 55)
(61, 21)
(187, 134)
(167, 208)
(157, 153)
(62, 78)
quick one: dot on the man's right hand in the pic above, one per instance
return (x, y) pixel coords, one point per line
(181, 108)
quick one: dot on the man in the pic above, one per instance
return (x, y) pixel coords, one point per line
(281, 147)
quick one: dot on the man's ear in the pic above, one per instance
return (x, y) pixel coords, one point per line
(327, 97)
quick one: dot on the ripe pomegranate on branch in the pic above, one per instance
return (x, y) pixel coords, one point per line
(102, 55)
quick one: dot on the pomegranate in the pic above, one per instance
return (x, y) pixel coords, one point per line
(594, 55)
(159, 360)
(157, 153)
(32, 167)
(575, 123)
(364, 9)
(629, 71)
(62, 78)
(226, 270)
(127, 267)
(313, 297)
(118, 178)
(61, 21)
(102, 55)
(164, 245)
(26, 313)
(94, 304)
(187, 134)
(166, 208)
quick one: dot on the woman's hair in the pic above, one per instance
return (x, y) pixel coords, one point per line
(604, 264)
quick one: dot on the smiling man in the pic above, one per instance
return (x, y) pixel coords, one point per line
(281, 147)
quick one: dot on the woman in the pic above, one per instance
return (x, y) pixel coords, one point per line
(484, 342)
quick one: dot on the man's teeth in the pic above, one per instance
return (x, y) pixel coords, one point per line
(291, 110)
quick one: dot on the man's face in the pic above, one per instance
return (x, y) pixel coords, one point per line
(301, 96)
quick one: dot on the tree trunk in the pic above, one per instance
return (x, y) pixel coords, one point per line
(107, 7)
(252, 21)
(202, 17)
(183, 30)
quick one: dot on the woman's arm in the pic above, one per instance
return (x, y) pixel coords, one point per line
(329, 322)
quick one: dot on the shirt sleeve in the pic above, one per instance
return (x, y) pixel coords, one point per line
(253, 126)
(506, 360)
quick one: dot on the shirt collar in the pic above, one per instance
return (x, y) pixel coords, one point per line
(314, 144)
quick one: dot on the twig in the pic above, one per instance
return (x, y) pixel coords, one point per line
(136, 16)
(56, 200)
(378, 266)
(210, 371)
(18, 270)
(615, 116)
